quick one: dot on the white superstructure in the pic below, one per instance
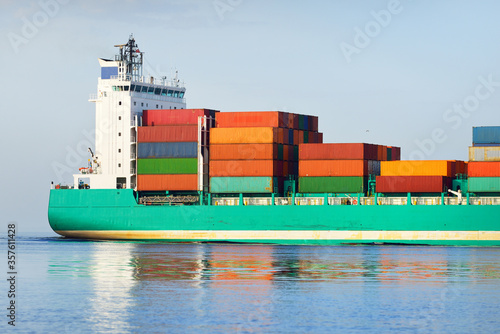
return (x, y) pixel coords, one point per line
(123, 92)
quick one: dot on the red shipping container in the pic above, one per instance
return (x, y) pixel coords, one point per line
(282, 136)
(313, 123)
(285, 168)
(355, 151)
(333, 168)
(243, 151)
(250, 119)
(174, 116)
(484, 169)
(167, 133)
(178, 182)
(320, 137)
(246, 168)
(295, 137)
(413, 184)
(396, 153)
(295, 122)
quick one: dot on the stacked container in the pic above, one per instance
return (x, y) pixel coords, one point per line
(167, 149)
(253, 152)
(418, 176)
(484, 160)
(341, 168)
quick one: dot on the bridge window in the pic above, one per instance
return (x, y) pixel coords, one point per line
(151, 90)
(181, 95)
(170, 93)
(164, 92)
(144, 89)
(125, 88)
(157, 91)
(176, 94)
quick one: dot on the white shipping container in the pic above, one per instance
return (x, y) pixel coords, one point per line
(484, 153)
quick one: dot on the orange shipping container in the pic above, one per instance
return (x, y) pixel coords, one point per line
(417, 168)
(250, 119)
(243, 135)
(178, 182)
(246, 168)
(484, 169)
(244, 152)
(333, 168)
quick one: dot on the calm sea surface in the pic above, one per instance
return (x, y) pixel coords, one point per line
(121, 287)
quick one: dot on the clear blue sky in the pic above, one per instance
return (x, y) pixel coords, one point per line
(415, 74)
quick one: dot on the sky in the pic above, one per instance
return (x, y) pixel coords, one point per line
(408, 73)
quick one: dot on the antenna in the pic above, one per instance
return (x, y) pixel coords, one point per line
(132, 58)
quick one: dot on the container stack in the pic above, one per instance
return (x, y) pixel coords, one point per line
(418, 176)
(167, 149)
(254, 152)
(341, 168)
(484, 160)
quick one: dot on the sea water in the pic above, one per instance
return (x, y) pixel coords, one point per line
(72, 286)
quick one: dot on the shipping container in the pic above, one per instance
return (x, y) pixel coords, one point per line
(484, 184)
(244, 136)
(396, 153)
(320, 137)
(167, 182)
(174, 116)
(253, 185)
(489, 153)
(244, 152)
(167, 166)
(313, 124)
(486, 135)
(348, 184)
(250, 119)
(167, 150)
(413, 184)
(246, 168)
(336, 168)
(484, 169)
(167, 133)
(357, 151)
(417, 168)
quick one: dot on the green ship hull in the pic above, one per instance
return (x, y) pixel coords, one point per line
(115, 215)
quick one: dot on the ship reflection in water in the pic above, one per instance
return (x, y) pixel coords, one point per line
(266, 288)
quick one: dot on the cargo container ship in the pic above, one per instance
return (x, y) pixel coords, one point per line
(162, 172)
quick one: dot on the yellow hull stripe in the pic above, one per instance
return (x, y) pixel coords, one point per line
(286, 235)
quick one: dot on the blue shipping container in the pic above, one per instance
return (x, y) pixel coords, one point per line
(167, 150)
(486, 135)
(245, 184)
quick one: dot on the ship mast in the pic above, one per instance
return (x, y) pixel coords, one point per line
(131, 60)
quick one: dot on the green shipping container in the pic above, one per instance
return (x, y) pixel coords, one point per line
(280, 151)
(306, 137)
(484, 184)
(333, 184)
(389, 154)
(167, 166)
(301, 122)
(245, 184)
(295, 153)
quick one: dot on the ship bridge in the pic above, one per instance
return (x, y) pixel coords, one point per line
(123, 92)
